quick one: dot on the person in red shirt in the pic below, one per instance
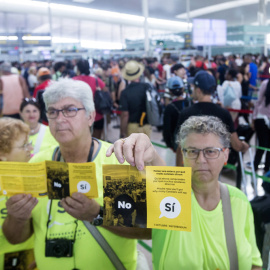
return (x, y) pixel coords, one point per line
(83, 72)
(44, 79)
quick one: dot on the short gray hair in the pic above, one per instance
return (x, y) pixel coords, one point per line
(64, 88)
(204, 125)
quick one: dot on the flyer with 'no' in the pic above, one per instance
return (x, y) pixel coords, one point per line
(168, 193)
(157, 197)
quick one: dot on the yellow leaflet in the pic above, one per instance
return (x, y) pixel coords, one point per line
(55, 179)
(168, 192)
(83, 179)
(19, 177)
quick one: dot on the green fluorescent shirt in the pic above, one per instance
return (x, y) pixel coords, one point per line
(47, 141)
(5, 246)
(205, 246)
(87, 252)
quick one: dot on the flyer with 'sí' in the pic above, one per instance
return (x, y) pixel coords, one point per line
(157, 197)
(168, 193)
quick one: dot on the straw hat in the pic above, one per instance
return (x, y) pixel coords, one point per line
(132, 70)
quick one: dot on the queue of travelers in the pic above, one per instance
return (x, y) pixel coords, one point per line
(59, 122)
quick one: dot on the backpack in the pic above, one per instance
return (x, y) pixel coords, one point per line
(153, 107)
(229, 96)
(176, 131)
(103, 101)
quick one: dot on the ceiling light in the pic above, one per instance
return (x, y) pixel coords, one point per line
(83, 1)
(36, 38)
(8, 38)
(64, 40)
(101, 45)
(96, 12)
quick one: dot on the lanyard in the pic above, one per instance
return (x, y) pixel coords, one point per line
(90, 155)
(59, 157)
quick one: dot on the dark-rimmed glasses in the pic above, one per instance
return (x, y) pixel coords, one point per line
(208, 153)
(67, 112)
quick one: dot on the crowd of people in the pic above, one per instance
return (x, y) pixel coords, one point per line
(48, 113)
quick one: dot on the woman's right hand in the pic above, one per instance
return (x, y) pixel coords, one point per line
(20, 206)
(137, 150)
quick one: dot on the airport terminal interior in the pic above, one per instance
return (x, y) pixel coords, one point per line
(180, 84)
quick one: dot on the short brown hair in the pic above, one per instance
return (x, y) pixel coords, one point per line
(10, 130)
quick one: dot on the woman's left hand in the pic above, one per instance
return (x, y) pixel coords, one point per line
(81, 207)
(137, 150)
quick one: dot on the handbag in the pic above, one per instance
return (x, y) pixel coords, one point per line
(103, 101)
(229, 96)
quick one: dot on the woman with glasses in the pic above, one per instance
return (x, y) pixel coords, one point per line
(205, 142)
(14, 146)
(40, 134)
(71, 113)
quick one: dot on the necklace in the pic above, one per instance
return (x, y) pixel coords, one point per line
(35, 130)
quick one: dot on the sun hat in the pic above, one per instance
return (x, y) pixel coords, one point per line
(132, 70)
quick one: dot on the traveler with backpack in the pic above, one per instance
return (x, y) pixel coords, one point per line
(232, 92)
(133, 101)
(204, 86)
(172, 111)
(83, 74)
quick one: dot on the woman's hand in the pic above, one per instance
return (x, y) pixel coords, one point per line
(81, 207)
(20, 206)
(137, 150)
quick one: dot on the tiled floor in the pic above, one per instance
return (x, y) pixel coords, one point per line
(228, 176)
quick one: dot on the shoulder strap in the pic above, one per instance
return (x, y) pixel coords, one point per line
(41, 134)
(104, 245)
(176, 108)
(228, 225)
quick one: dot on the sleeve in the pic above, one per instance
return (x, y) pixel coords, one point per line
(250, 234)
(123, 104)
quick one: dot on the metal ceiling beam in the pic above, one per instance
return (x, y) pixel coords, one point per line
(216, 8)
(79, 13)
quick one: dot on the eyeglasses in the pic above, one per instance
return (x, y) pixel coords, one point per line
(30, 99)
(208, 153)
(26, 146)
(67, 112)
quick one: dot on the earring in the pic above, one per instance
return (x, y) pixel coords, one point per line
(225, 163)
